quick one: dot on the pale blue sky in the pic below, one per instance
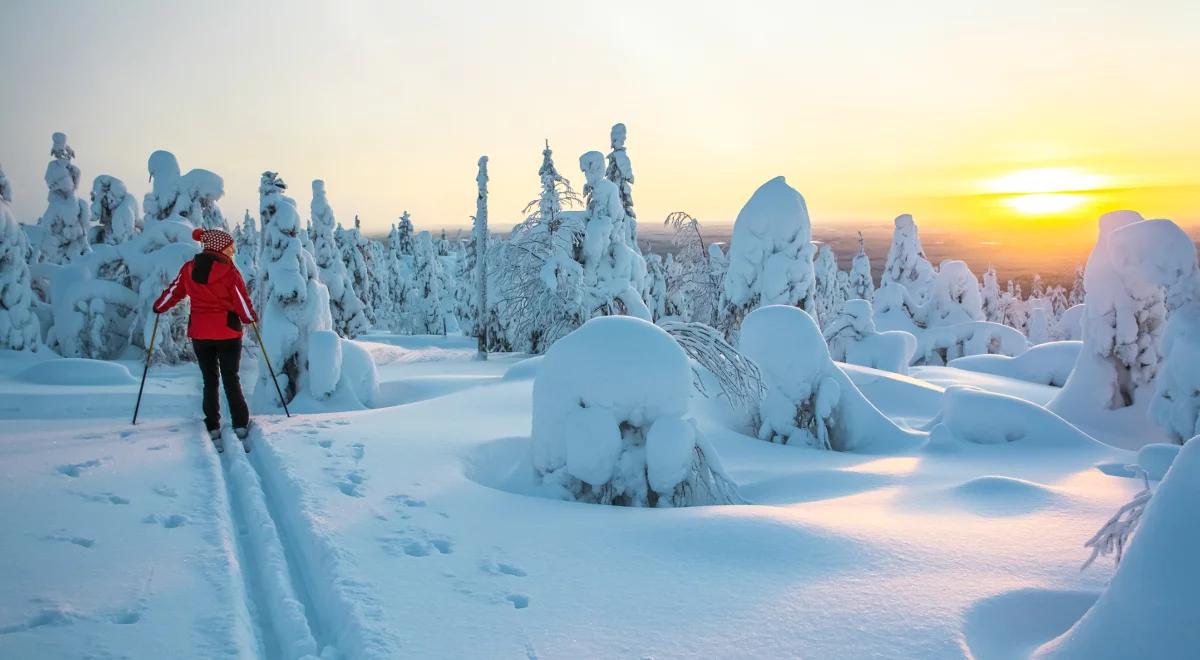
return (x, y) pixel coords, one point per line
(870, 109)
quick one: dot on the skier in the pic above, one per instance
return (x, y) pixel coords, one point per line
(220, 306)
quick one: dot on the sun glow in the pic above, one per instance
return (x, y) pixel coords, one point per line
(1045, 191)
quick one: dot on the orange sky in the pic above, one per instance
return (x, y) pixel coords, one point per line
(869, 109)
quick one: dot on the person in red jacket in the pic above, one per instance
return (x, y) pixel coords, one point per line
(220, 307)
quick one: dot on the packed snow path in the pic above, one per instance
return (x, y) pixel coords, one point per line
(405, 532)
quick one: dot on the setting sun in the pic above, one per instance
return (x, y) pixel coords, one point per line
(1045, 191)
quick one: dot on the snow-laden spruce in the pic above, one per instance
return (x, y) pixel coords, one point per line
(809, 400)
(190, 197)
(613, 269)
(853, 339)
(478, 302)
(906, 263)
(620, 172)
(114, 210)
(423, 297)
(397, 273)
(65, 225)
(19, 328)
(828, 295)
(297, 328)
(354, 252)
(247, 246)
(1148, 609)
(952, 297)
(344, 305)
(611, 422)
(862, 284)
(1138, 271)
(770, 255)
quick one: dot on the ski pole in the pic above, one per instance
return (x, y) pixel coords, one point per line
(267, 360)
(149, 354)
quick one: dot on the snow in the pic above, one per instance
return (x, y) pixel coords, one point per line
(76, 371)
(1048, 364)
(395, 525)
(1148, 610)
(1156, 458)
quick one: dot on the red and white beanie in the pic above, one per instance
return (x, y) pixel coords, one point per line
(212, 239)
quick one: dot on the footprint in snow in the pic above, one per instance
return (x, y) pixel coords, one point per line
(169, 522)
(110, 498)
(399, 544)
(54, 616)
(156, 448)
(403, 500)
(357, 451)
(325, 443)
(519, 601)
(125, 618)
(352, 484)
(73, 470)
(164, 490)
(75, 540)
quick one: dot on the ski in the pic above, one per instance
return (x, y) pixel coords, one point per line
(244, 436)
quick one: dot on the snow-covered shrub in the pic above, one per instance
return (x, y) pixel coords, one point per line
(1126, 310)
(344, 305)
(19, 327)
(852, 338)
(655, 293)
(91, 316)
(296, 308)
(693, 273)
(952, 297)
(1148, 609)
(67, 221)
(906, 263)
(1046, 364)
(611, 422)
(809, 401)
(737, 376)
(770, 255)
(937, 346)
(862, 284)
(613, 269)
(114, 210)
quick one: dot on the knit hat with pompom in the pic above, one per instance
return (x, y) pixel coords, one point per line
(212, 239)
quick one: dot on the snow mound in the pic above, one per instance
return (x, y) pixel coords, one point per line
(994, 495)
(611, 422)
(1149, 607)
(1156, 458)
(809, 400)
(1011, 625)
(524, 370)
(1046, 364)
(77, 371)
(974, 416)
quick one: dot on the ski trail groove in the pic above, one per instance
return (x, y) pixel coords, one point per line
(278, 599)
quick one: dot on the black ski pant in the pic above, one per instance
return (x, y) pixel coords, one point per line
(219, 360)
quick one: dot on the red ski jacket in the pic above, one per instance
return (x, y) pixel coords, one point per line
(220, 302)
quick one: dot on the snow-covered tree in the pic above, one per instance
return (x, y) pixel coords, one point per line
(297, 329)
(405, 229)
(656, 286)
(354, 252)
(620, 172)
(67, 221)
(1037, 326)
(853, 339)
(862, 283)
(19, 328)
(114, 210)
(423, 300)
(1014, 310)
(399, 272)
(248, 244)
(1078, 288)
(1125, 311)
(190, 197)
(344, 305)
(952, 297)
(809, 401)
(479, 237)
(770, 255)
(613, 270)
(611, 423)
(906, 263)
(693, 273)
(990, 297)
(827, 296)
